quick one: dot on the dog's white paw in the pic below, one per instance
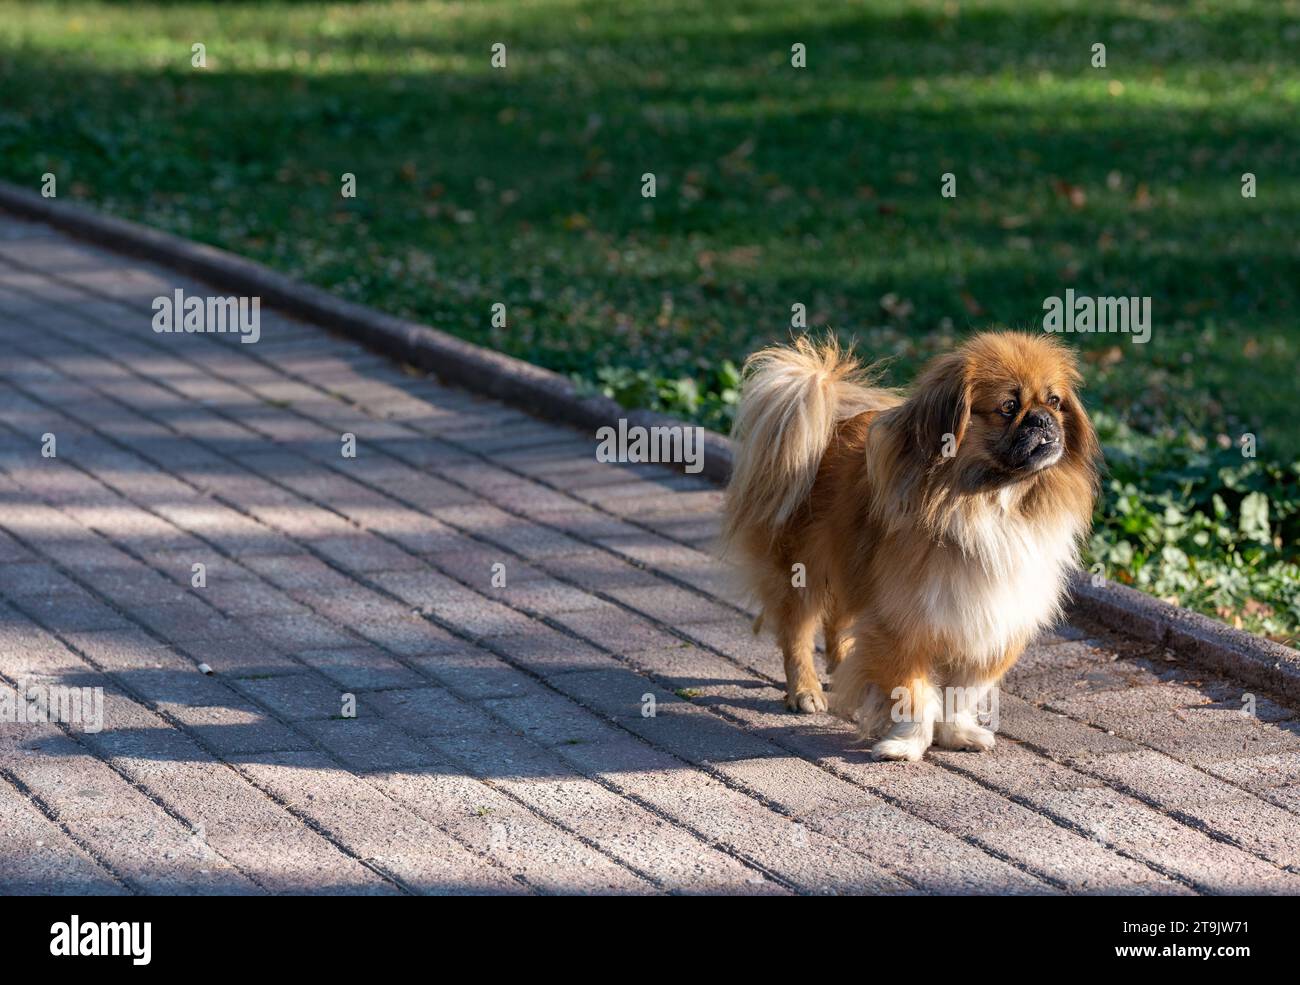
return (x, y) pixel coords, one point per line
(906, 740)
(964, 735)
(909, 748)
(910, 738)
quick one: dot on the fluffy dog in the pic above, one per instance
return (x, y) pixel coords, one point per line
(930, 535)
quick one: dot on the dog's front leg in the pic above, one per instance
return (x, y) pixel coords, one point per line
(916, 708)
(960, 726)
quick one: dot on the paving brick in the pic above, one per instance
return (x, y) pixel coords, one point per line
(580, 523)
(72, 610)
(233, 727)
(474, 672)
(1181, 721)
(224, 812)
(367, 744)
(12, 552)
(1258, 772)
(805, 859)
(525, 588)
(359, 668)
(671, 605)
(1161, 842)
(547, 653)
(38, 657)
(431, 711)
(598, 571)
(948, 799)
(676, 725)
(294, 633)
(671, 857)
(151, 850)
(1259, 827)
(178, 621)
(297, 697)
(352, 606)
(407, 636)
(1287, 797)
(136, 585)
(735, 639)
(118, 650)
(243, 655)
(1055, 734)
(375, 828)
(241, 599)
(33, 579)
(366, 552)
(683, 666)
(548, 718)
(615, 629)
(1013, 769)
(1061, 671)
(1156, 778)
(297, 571)
(1233, 696)
(497, 755)
(1078, 864)
(420, 588)
(40, 860)
(537, 852)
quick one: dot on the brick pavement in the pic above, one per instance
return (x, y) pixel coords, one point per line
(432, 663)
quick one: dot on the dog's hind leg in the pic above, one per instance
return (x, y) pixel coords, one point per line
(795, 632)
(838, 644)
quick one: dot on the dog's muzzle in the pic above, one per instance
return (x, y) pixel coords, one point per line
(1037, 443)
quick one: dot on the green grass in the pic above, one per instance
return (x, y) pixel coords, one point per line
(775, 186)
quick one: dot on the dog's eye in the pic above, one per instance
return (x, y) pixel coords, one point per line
(1054, 402)
(1009, 407)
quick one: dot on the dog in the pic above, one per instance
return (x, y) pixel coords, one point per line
(930, 534)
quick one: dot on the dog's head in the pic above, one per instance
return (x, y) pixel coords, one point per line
(1001, 409)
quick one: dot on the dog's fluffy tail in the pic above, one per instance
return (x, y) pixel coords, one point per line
(791, 399)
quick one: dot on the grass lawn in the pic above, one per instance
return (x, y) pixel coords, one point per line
(775, 186)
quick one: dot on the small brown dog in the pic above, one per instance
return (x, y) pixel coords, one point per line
(931, 536)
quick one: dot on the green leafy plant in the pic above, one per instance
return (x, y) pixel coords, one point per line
(1204, 527)
(708, 397)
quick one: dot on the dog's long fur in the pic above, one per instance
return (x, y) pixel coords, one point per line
(935, 533)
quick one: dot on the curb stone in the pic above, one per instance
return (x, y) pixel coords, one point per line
(1209, 644)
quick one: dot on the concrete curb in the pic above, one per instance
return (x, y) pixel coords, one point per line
(1199, 639)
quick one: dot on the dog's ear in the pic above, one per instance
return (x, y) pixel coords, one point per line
(1080, 436)
(939, 406)
(1081, 442)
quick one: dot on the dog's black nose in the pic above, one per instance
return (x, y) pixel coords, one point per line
(1039, 419)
